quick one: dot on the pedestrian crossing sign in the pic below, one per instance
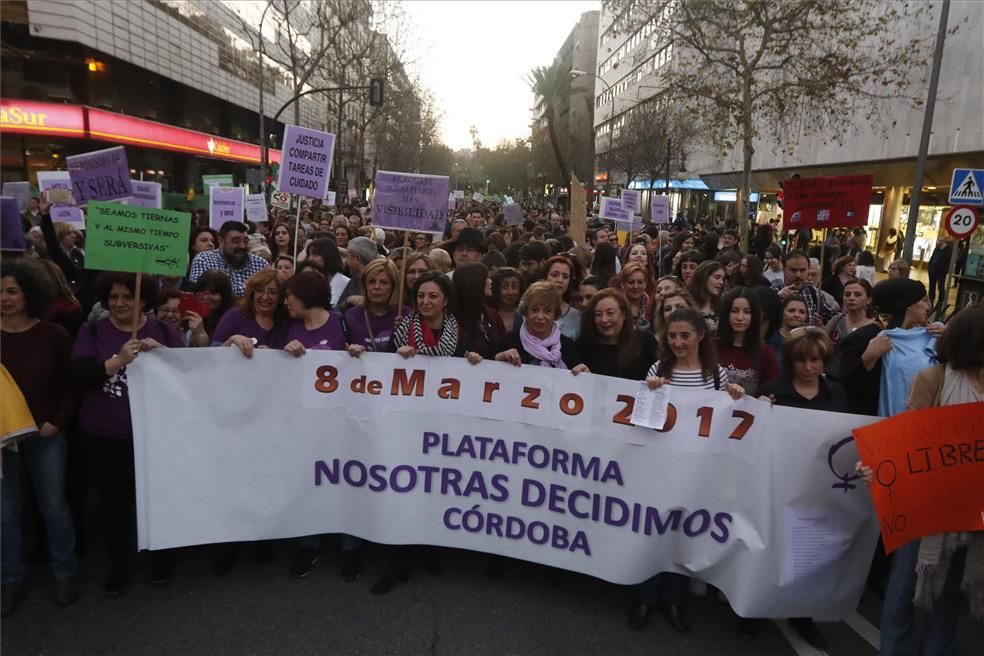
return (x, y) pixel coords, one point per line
(965, 187)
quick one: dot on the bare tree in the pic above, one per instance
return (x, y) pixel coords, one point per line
(782, 68)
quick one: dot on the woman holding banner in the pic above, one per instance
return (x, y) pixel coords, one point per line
(687, 359)
(253, 322)
(481, 327)
(99, 359)
(539, 340)
(431, 330)
(370, 326)
(929, 574)
(312, 326)
(610, 344)
(564, 273)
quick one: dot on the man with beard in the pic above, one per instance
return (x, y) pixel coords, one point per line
(231, 257)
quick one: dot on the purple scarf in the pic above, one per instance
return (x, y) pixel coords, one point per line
(545, 351)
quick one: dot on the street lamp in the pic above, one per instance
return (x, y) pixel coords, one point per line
(576, 73)
(263, 153)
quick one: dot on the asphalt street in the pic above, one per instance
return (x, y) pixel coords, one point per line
(259, 609)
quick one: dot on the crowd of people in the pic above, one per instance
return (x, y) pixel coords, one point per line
(683, 304)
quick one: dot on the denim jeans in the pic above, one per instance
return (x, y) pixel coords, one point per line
(44, 460)
(907, 630)
(668, 587)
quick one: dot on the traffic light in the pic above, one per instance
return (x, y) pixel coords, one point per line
(376, 87)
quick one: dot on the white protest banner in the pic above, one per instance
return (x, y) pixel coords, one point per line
(145, 194)
(68, 214)
(459, 194)
(632, 200)
(661, 209)
(513, 213)
(19, 191)
(53, 180)
(280, 200)
(305, 161)
(256, 210)
(225, 204)
(528, 462)
(330, 199)
(100, 175)
(611, 208)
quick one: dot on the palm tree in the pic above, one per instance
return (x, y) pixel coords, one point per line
(548, 84)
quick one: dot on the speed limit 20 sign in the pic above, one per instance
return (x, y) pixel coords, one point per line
(961, 221)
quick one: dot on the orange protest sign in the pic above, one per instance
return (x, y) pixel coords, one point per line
(928, 471)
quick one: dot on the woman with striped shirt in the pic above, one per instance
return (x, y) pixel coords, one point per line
(687, 359)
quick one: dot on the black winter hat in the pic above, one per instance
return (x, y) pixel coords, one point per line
(894, 295)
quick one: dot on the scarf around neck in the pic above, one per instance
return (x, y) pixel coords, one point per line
(421, 337)
(545, 351)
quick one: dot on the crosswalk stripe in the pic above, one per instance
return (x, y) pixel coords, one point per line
(864, 628)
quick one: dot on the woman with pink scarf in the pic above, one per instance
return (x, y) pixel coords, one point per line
(538, 340)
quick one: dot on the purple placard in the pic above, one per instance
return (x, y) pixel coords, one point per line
(68, 214)
(306, 161)
(661, 209)
(513, 213)
(145, 194)
(411, 201)
(225, 204)
(11, 231)
(631, 200)
(100, 175)
(611, 208)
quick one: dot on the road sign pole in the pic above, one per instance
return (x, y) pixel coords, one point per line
(949, 276)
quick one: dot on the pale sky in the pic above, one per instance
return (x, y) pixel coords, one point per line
(475, 56)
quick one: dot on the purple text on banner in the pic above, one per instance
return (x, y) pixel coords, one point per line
(513, 213)
(661, 209)
(225, 204)
(411, 201)
(68, 214)
(145, 194)
(306, 161)
(611, 208)
(100, 175)
(11, 231)
(631, 200)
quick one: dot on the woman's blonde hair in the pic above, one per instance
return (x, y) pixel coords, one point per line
(383, 265)
(541, 293)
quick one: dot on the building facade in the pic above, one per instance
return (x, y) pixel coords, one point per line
(179, 82)
(574, 111)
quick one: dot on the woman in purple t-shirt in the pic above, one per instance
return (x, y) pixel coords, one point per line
(312, 326)
(371, 325)
(253, 323)
(102, 351)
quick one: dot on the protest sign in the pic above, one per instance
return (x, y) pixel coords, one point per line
(330, 199)
(306, 161)
(19, 191)
(928, 471)
(612, 208)
(513, 213)
(411, 201)
(256, 210)
(834, 202)
(459, 194)
(352, 194)
(100, 175)
(451, 202)
(137, 239)
(217, 180)
(11, 231)
(579, 212)
(68, 214)
(225, 204)
(526, 462)
(632, 200)
(477, 197)
(661, 208)
(53, 180)
(280, 200)
(145, 194)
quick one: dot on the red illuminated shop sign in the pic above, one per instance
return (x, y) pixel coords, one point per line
(70, 120)
(27, 117)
